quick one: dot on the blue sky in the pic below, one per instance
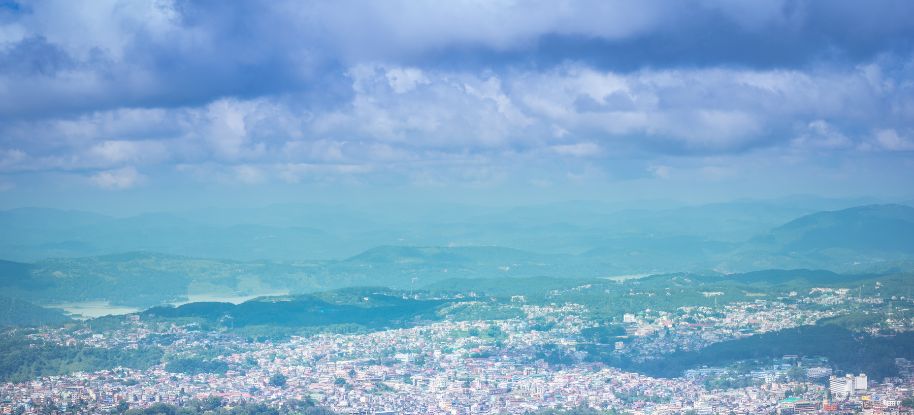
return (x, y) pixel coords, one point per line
(166, 103)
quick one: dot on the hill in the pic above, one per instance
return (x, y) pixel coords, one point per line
(334, 232)
(864, 240)
(16, 274)
(871, 228)
(854, 352)
(371, 308)
(14, 312)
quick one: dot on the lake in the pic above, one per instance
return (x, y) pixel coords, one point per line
(83, 310)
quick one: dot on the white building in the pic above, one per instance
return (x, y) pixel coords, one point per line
(843, 387)
(860, 382)
(818, 372)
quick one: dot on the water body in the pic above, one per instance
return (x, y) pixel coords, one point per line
(620, 278)
(225, 298)
(85, 310)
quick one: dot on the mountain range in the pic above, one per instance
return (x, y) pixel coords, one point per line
(861, 239)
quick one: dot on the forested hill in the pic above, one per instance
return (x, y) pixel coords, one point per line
(853, 351)
(861, 240)
(15, 312)
(366, 308)
(871, 228)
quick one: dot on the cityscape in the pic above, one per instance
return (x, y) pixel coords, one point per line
(504, 366)
(495, 207)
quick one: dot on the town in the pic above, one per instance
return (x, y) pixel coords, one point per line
(504, 366)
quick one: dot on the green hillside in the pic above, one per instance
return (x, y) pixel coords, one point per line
(15, 312)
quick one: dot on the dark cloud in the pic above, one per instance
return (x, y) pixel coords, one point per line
(260, 91)
(800, 33)
(204, 50)
(34, 56)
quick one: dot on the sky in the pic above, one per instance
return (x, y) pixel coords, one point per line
(157, 104)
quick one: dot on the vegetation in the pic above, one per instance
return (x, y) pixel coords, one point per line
(582, 410)
(15, 312)
(850, 351)
(603, 334)
(215, 406)
(608, 300)
(278, 380)
(22, 359)
(366, 307)
(859, 240)
(193, 366)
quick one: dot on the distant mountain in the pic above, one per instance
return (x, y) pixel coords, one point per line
(863, 239)
(871, 228)
(333, 232)
(441, 255)
(659, 254)
(793, 276)
(186, 254)
(145, 279)
(48, 219)
(14, 312)
(15, 274)
(25, 236)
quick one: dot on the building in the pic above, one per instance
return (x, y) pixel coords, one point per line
(842, 387)
(860, 382)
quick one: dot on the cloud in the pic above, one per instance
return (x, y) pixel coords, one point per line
(578, 149)
(403, 80)
(435, 93)
(118, 179)
(889, 139)
(660, 171)
(121, 151)
(248, 174)
(820, 135)
(436, 117)
(62, 58)
(299, 172)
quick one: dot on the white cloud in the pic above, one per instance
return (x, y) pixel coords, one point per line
(120, 151)
(403, 80)
(249, 174)
(889, 139)
(400, 119)
(11, 158)
(117, 179)
(821, 135)
(585, 149)
(660, 171)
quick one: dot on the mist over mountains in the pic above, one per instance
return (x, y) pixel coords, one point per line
(56, 256)
(329, 232)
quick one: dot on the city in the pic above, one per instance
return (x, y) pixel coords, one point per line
(487, 366)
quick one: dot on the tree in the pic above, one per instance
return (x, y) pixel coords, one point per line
(909, 402)
(278, 380)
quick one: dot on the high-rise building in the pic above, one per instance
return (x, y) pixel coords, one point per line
(860, 382)
(842, 387)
